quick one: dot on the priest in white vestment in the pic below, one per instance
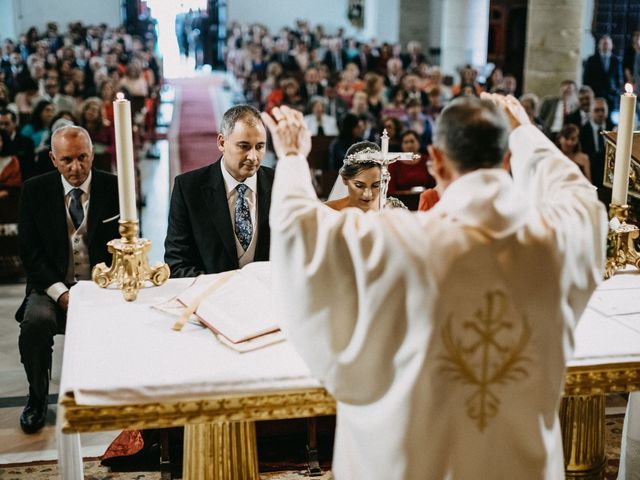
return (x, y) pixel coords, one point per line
(443, 335)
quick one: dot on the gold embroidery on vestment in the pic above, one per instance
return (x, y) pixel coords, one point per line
(488, 361)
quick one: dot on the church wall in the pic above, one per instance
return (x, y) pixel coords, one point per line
(381, 17)
(414, 22)
(332, 14)
(38, 12)
(588, 44)
(7, 19)
(382, 20)
(554, 42)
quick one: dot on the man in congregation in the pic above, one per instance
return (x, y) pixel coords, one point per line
(219, 214)
(592, 143)
(66, 219)
(443, 335)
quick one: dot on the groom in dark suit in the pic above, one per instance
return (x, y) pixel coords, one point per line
(66, 219)
(219, 214)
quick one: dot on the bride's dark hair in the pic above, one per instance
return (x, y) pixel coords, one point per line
(351, 168)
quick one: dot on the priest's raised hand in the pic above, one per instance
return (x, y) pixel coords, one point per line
(289, 132)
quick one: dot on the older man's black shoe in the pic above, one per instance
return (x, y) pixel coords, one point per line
(34, 415)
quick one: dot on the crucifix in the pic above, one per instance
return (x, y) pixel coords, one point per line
(384, 158)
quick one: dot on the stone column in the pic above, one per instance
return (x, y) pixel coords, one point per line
(382, 20)
(465, 34)
(414, 22)
(554, 35)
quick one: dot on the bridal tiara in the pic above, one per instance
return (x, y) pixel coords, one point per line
(366, 155)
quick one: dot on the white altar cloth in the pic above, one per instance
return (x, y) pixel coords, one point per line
(119, 353)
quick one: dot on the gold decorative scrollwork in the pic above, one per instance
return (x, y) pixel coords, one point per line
(273, 406)
(491, 359)
(599, 379)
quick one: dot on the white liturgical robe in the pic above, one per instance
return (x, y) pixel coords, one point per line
(443, 335)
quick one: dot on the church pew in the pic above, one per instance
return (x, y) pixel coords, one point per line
(323, 178)
(10, 263)
(319, 154)
(411, 198)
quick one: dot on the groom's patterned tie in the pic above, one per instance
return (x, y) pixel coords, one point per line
(244, 229)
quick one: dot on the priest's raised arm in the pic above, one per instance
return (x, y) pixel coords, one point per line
(443, 335)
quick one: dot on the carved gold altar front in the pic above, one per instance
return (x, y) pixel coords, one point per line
(219, 439)
(220, 434)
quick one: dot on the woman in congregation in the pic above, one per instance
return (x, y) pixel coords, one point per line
(418, 122)
(395, 107)
(101, 133)
(24, 100)
(10, 174)
(107, 93)
(349, 83)
(350, 131)
(394, 128)
(406, 175)
(38, 128)
(361, 180)
(318, 122)
(569, 143)
(374, 88)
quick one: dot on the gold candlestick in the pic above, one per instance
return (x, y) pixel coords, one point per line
(129, 266)
(621, 249)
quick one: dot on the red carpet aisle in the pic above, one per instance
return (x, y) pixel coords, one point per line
(193, 130)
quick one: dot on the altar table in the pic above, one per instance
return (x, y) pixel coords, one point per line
(124, 367)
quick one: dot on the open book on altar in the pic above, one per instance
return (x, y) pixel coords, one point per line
(237, 306)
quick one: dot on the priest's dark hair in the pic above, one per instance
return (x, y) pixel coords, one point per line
(473, 134)
(247, 113)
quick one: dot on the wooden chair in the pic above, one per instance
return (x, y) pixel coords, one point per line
(319, 154)
(411, 198)
(323, 178)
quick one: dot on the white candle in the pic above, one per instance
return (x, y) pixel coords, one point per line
(124, 159)
(385, 143)
(623, 146)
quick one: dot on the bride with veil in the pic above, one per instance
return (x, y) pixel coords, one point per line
(358, 182)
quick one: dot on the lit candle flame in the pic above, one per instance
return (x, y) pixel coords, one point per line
(120, 96)
(628, 88)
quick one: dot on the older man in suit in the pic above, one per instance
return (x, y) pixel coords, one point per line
(592, 143)
(66, 219)
(554, 109)
(581, 116)
(219, 214)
